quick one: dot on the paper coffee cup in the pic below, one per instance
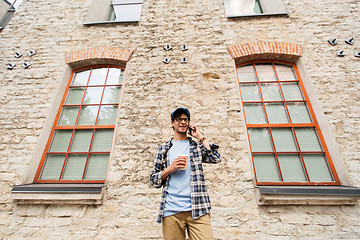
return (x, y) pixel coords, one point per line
(187, 160)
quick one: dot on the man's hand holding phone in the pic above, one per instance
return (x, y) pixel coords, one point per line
(190, 130)
(194, 131)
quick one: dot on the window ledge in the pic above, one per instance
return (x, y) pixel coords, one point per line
(89, 194)
(307, 195)
(109, 22)
(258, 15)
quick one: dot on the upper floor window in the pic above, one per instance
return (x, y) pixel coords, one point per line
(79, 145)
(110, 11)
(239, 8)
(125, 10)
(7, 10)
(286, 143)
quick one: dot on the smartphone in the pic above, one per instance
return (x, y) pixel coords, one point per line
(190, 131)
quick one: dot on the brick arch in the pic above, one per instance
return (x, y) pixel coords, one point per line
(265, 50)
(98, 55)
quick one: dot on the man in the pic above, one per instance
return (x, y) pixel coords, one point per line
(185, 203)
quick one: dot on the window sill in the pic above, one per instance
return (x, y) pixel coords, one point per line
(88, 194)
(307, 195)
(258, 15)
(109, 22)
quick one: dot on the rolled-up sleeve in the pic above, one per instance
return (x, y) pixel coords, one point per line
(155, 176)
(212, 155)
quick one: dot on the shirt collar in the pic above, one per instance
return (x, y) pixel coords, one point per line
(169, 143)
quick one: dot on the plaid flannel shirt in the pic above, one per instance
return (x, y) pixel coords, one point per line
(200, 201)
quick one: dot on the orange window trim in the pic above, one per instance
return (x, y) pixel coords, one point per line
(89, 127)
(268, 125)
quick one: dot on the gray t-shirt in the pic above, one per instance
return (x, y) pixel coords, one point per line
(178, 196)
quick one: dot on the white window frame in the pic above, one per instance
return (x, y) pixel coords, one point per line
(6, 14)
(268, 7)
(124, 3)
(100, 11)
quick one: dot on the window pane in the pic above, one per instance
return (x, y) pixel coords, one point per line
(53, 166)
(107, 115)
(276, 113)
(115, 76)
(68, 116)
(111, 95)
(111, 14)
(97, 166)
(307, 139)
(273, 6)
(285, 73)
(75, 96)
(102, 140)
(81, 141)
(247, 74)
(271, 92)
(250, 92)
(127, 12)
(98, 76)
(254, 113)
(265, 72)
(299, 113)
(257, 7)
(81, 78)
(74, 167)
(317, 168)
(88, 115)
(93, 95)
(284, 140)
(266, 168)
(291, 168)
(260, 140)
(61, 141)
(291, 91)
(239, 8)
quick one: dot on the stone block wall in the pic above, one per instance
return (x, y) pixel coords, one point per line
(206, 85)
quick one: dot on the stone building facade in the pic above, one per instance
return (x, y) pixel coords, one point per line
(126, 206)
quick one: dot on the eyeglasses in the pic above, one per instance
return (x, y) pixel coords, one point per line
(179, 120)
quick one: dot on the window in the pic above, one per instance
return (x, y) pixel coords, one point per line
(125, 10)
(109, 11)
(238, 8)
(79, 145)
(286, 143)
(7, 10)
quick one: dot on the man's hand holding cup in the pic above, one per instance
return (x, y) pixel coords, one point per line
(180, 162)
